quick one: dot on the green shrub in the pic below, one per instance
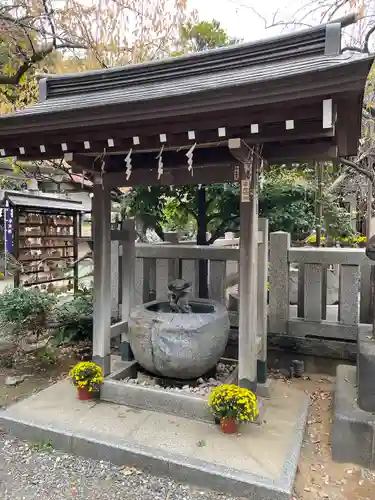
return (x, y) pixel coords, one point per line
(25, 310)
(75, 318)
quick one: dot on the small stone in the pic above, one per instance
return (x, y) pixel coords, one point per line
(185, 387)
(13, 381)
(200, 380)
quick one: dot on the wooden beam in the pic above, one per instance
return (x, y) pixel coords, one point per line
(349, 125)
(301, 109)
(321, 150)
(240, 150)
(213, 174)
(210, 165)
(111, 142)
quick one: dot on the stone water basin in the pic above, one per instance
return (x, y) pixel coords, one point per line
(179, 345)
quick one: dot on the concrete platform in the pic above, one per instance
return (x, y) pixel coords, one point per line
(353, 433)
(259, 463)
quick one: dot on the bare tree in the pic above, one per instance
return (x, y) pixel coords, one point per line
(90, 34)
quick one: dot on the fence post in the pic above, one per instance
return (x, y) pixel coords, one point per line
(128, 284)
(365, 293)
(262, 299)
(173, 264)
(279, 282)
(115, 279)
(217, 275)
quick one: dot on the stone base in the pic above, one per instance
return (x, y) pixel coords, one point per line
(183, 404)
(259, 463)
(104, 363)
(353, 429)
(366, 372)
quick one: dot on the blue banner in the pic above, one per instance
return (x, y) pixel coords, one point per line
(8, 229)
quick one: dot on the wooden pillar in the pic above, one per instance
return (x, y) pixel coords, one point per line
(101, 231)
(247, 346)
(128, 284)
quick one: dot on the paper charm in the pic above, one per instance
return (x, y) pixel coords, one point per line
(160, 162)
(189, 155)
(102, 168)
(128, 162)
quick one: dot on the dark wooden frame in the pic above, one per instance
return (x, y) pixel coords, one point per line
(20, 210)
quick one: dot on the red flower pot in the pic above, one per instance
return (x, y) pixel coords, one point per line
(84, 394)
(228, 425)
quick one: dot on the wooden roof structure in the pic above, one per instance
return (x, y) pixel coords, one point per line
(197, 119)
(297, 94)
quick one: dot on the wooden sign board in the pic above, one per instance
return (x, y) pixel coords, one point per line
(245, 191)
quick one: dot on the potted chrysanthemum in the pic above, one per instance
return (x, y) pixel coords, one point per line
(233, 405)
(87, 377)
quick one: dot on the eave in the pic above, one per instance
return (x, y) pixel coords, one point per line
(296, 95)
(349, 75)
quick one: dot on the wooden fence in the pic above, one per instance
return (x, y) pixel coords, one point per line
(308, 324)
(335, 326)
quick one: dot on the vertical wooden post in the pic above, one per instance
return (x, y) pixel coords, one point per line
(128, 284)
(319, 206)
(76, 220)
(247, 351)
(101, 212)
(262, 300)
(248, 325)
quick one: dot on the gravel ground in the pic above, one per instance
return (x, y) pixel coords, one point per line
(36, 471)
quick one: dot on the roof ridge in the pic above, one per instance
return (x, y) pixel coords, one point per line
(305, 43)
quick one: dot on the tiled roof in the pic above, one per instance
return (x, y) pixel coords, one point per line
(136, 93)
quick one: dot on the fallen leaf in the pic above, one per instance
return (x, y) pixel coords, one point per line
(129, 471)
(201, 443)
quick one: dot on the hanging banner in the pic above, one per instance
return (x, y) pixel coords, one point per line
(8, 226)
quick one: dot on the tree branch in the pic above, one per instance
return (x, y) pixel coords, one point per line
(220, 230)
(352, 49)
(38, 56)
(366, 48)
(363, 171)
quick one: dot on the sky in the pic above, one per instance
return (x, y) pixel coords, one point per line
(247, 19)
(242, 18)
